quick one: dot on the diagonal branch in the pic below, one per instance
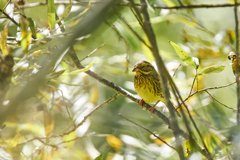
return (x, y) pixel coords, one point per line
(8, 17)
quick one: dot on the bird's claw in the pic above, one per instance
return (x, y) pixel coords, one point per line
(141, 103)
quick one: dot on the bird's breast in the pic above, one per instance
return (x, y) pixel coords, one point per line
(148, 88)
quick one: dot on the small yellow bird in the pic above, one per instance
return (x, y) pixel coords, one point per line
(147, 84)
(233, 57)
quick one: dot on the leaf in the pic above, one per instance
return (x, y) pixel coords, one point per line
(15, 140)
(32, 27)
(66, 13)
(212, 69)
(183, 55)
(48, 122)
(51, 13)
(150, 5)
(3, 41)
(70, 139)
(169, 3)
(26, 39)
(159, 142)
(82, 70)
(26, 35)
(114, 142)
(100, 157)
(55, 74)
(94, 94)
(73, 21)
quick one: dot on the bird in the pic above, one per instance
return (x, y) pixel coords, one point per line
(147, 84)
(233, 57)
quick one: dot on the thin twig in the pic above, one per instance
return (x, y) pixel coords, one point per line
(176, 70)
(75, 127)
(6, 5)
(220, 102)
(205, 89)
(193, 84)
(135, 12)
(66, 106)
(134, 32)
(148, 131)
(121, 37)
(86, 117)
(180, 3)
(93, 52)
(8, 17)
(85, 3)
(63, 142)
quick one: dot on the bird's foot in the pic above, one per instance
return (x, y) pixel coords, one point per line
(152, 108)
(141, 103)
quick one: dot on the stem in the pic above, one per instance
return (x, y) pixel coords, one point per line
(237, 61)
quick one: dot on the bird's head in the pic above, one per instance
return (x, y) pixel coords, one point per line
(232, 56)
(144, 67)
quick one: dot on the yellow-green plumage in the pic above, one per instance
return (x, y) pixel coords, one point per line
(147, 83)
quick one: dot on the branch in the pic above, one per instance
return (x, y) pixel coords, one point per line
(86, 117)
(180, 3)
(220, 102)
(206, 89)
(126, 4)
(8, 17)
(237, 62)
(133, 31)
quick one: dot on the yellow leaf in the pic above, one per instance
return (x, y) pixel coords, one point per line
(3, 41)
(69, 139)
(48, 122)
(114, 142)
(13, 142)
(94, 94)
(82, 70)
(25, 33)
(159, 142)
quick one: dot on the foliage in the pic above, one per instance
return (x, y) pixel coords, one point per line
(52, 107)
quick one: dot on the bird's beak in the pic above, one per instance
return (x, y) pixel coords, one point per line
(230, 58)
(134, 69)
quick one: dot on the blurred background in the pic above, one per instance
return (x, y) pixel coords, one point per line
(34, 128)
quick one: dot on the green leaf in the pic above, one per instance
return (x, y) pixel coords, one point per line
(55, 74)
(51, 13)
(212, 69)
(3, 41)
(82, 70)
(183, 55)
(32, 27)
